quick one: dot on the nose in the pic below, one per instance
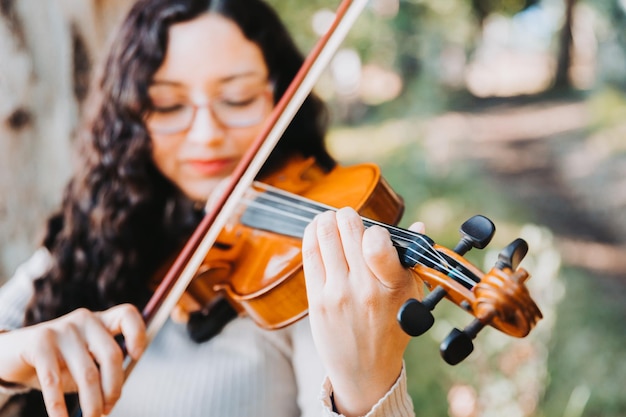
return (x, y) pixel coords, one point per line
(205, 129)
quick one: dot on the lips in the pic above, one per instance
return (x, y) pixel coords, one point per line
(212, 166)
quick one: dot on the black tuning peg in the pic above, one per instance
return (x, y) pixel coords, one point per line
(415, 316)
(458, 345)
(512, 255)
(476, 232)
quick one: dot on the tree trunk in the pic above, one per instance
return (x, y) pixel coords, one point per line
(46, 54)
(562, 79)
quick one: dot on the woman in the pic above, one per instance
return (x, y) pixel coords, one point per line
(184, 93)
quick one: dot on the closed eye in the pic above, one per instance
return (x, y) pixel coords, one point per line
(238, 103)
(168, 109)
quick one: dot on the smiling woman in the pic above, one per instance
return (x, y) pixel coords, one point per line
(206, 113)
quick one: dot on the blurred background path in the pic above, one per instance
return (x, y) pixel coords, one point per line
(541, 152)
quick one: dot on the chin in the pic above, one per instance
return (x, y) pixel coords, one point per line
(199, 191)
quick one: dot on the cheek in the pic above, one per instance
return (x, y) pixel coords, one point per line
(244, 140)
(164, 154)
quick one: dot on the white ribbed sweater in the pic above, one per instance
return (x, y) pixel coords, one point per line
(244, 371)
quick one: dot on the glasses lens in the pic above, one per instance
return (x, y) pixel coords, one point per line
(231, 113)
(249, 112)
(170, 120)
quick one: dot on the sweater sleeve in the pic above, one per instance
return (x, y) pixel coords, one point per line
(396, 403)
(14, 297)
(308, 369)
(17, 291)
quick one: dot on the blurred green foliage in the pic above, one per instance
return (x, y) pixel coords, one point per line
(588, 353)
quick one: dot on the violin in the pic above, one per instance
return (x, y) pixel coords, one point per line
(256, 262)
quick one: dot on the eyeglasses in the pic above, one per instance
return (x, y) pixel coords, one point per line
(179, 116)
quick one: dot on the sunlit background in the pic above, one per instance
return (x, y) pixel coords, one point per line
(512, 109)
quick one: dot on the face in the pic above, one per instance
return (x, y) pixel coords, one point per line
(209, 100)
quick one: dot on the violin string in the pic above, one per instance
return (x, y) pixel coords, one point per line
(309, 209)
(314, 208)
(285, 199)
(396, 233)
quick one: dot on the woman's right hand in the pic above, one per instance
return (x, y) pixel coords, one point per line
(74, 353)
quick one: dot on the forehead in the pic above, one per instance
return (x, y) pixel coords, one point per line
(207, 50)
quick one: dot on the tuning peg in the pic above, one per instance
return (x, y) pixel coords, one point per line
(512, 255)
(476, 232)
(415, 316)
(458, 345)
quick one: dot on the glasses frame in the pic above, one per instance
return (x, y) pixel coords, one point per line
(267, 93)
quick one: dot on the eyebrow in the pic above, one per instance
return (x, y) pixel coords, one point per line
(223, 80)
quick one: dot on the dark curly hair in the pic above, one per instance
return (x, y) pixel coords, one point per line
(119, 216)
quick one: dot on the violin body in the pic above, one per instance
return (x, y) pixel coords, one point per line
(259, 271)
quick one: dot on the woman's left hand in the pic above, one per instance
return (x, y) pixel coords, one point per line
(355, 287)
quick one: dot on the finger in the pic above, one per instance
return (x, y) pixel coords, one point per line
(351, 228)
(127, 320)
(382, 258)
(110, 359)
(46, 363)
(330, 246)
(418, 227)
(314, 273)
(83, 368)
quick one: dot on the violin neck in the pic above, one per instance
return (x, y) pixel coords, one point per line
(278, 211)
(288, 214)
